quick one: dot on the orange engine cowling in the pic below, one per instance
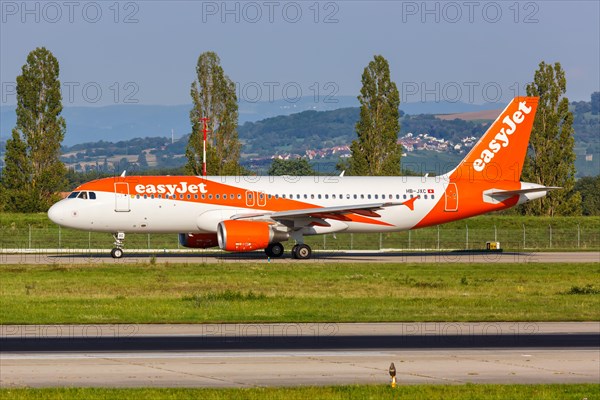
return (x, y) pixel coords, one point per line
(198, 240)
(235, 235)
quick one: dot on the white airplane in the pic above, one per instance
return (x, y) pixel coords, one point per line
(246, 213)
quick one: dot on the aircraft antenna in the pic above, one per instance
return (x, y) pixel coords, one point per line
(204, 131)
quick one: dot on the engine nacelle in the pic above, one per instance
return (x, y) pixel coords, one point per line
(235, 235)
(198, 240)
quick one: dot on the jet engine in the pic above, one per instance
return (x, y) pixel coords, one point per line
(236, 235)
(198, 240)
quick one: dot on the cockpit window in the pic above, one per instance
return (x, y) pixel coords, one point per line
(73, 195)
(82, 195)
(92, 195)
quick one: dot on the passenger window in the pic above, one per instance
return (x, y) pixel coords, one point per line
(425, 197)
(319, 196)
(217, 196)
(195, 197)
(239, 196)
(369, 196)
(326, 196)
(362, 196)
(152, 196)
(404, 196)
(305, 196)
(333, 196)
(355, 197)
(432, 197)
(397, 197)
(137, 196)
(312, 196)
(376, 196)
(189, 196)
(210, 196)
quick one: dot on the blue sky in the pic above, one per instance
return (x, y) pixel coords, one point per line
(145, 52)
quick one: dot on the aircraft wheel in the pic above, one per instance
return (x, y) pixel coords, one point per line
(303, 252)
(295, 251)
(274, 250)
(116, 253)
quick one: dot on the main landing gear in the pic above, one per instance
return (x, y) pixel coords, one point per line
(117, 252)
(299, 251)
(274, 250)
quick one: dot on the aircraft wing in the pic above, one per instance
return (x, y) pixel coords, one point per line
(338, 212)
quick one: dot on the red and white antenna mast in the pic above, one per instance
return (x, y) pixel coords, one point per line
(204, 131)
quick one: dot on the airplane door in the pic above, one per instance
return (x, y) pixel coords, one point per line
(451, 203)
(122, 197)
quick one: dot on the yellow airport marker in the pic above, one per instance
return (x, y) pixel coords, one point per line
(392, 372)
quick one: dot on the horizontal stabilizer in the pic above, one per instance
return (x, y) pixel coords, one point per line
(509, 193)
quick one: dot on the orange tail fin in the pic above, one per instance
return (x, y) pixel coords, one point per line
(500, 153)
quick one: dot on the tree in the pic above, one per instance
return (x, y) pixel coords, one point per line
(213, 96)
(141, 160)
(297, 167)
(33, 173)
(376, 151)
(595, 103)
(551, 158)
(589, 188)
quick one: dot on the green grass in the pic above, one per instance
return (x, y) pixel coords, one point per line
(541, 233)
(445, 392)
(301, 292)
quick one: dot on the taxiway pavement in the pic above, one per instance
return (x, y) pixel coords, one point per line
(159, 256)
(247, 355)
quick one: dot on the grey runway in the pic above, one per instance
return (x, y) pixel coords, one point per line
(96, 257)
(247, 355)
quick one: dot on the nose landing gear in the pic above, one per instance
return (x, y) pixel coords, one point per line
(117, 252)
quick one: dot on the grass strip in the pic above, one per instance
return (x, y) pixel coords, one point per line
(446, 392)
(302, 292)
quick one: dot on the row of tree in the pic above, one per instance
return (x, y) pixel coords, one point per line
(33, 173)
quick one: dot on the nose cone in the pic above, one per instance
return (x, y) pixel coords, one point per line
(57, 213)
